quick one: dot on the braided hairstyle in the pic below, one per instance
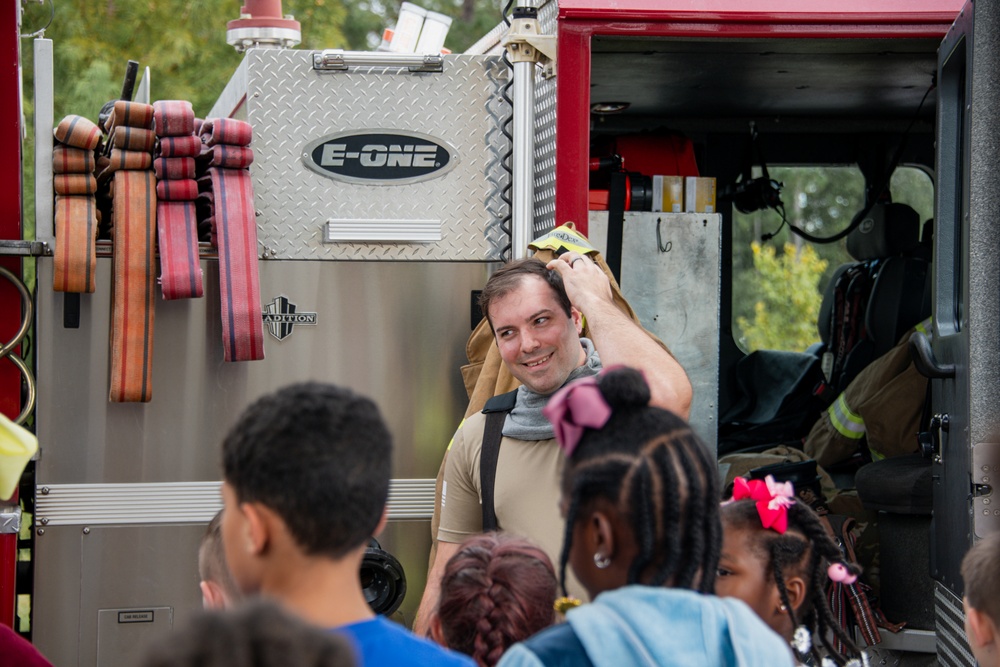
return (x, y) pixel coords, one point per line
(650, 465)
(496, 590)
(805, 549)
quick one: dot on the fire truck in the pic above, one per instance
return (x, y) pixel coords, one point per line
(370, 255)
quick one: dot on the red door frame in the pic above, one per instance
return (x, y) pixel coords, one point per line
(580, 20)
(10, 229)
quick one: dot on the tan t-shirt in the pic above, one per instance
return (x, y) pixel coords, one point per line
(526, 492)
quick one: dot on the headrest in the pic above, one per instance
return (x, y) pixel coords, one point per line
(887, 231)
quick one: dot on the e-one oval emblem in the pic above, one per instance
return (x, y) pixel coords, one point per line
(379, 157)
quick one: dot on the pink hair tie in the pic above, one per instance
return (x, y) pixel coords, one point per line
(838, 572)
(573, 408)
(772, 498)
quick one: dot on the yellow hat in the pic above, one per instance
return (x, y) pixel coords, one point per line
(17, 446)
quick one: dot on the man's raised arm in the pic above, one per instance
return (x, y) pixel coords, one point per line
(617, 338)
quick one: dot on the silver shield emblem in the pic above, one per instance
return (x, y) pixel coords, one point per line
(281, 316)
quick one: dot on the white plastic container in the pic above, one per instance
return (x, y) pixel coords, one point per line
(408, 25)
(436, 27)
(386, 40)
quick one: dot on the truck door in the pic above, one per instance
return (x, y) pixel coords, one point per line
(964, 359)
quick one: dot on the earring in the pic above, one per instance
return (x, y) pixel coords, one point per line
(601, 561)
(782, 608)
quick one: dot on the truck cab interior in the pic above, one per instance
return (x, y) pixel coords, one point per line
(817, 133)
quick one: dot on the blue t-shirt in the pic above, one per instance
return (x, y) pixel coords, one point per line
(382, 643)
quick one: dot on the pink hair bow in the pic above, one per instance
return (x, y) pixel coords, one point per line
(573, 408)
(772, 498)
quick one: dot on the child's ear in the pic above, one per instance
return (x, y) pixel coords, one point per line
(602, 534)
(979, 627)
(212, 596)
(796, 587)
(436, 632)
(257, 531)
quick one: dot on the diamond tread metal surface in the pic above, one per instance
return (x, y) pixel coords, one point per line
(953, 650)
(289, 104)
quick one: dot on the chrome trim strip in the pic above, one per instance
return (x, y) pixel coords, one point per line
(182, 502)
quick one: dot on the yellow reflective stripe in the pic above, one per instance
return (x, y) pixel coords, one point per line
(876, 455)
(846, 422)
(450, 442)
(563, 237)
(925, 327)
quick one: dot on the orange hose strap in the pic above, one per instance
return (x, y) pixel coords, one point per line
(176, 190)
(235, 233)
(75, 256)
(134, 229)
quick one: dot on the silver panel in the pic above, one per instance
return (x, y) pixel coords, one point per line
(81, 576)
(676, 295)
(123, 634)
(290, 105)
(952, 647)
(180, 502)
(393, 330)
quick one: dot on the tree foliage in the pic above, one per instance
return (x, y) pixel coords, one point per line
(184, 45)
(823, 201)
(784, 314)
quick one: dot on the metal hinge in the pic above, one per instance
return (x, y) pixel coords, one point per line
(524, 43)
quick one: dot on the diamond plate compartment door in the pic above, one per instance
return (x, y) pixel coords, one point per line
(377, 162)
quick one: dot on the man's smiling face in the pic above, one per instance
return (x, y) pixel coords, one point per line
(537, 340)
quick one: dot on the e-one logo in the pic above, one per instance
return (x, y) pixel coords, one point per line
(379, 157)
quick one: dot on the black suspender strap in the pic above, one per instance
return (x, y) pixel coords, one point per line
(496, 410)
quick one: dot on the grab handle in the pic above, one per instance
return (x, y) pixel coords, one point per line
(924, 360)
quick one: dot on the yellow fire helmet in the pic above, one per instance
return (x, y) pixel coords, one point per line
(17, 446)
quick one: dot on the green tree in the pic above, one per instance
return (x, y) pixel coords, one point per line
(822, 200)
(184, 45)
(784, 315)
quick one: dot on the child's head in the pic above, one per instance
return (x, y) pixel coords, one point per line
(218, 590)
(639, 490)
(781, 571)
(258, 634)
(314, 457)
(496, 591)
(981, 574)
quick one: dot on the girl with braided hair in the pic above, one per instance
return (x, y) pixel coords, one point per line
(778, 558)
(640, 497)
(496, 590)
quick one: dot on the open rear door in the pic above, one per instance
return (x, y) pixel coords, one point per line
(965, 361)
